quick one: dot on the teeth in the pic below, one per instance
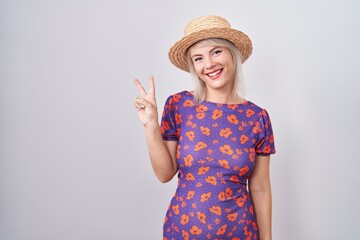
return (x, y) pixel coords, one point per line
(214, 73)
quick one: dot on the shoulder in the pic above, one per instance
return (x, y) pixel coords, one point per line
(179, 97)
(250, 106)
(254, 112)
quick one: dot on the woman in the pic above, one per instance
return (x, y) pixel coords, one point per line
(218, 142)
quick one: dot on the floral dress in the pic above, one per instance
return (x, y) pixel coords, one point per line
(216, 153)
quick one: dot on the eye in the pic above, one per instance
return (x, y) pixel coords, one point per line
(197, 59)
(217, 52)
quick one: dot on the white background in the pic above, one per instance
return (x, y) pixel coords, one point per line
(74, 162)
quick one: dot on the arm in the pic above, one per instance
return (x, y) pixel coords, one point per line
(260, 193)
(162, 153)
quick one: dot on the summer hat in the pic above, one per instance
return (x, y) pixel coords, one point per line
(206, 27)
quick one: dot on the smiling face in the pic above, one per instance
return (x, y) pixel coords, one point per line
(214, 65)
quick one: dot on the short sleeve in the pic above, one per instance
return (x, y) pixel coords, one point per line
(168, 124)
(265, 144)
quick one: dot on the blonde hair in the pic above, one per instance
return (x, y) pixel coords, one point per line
(200, 87)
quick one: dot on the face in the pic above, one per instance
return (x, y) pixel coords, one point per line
(214, 65)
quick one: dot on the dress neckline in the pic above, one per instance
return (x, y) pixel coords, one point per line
(245, 102)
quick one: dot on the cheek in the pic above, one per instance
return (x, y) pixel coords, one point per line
(198, 69)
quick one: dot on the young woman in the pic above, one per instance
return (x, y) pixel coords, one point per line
(217, 142)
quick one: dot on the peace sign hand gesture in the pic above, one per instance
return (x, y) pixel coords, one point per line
(146, 104)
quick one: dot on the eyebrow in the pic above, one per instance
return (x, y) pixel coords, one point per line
(211, 50)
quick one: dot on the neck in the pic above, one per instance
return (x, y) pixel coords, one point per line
(223, 97)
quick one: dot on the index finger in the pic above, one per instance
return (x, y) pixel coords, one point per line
(140, 87)
(151, 86)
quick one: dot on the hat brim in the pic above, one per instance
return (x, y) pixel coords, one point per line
(177, 53)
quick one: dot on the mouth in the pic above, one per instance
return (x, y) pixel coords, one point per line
(215, 74)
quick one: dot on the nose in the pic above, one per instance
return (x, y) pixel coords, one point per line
(210, 63)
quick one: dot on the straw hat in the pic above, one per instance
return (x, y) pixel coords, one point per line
(204, 28)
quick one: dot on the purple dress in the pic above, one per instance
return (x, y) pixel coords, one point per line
(216, 153)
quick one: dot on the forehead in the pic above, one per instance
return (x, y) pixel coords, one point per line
(211, 43)
(204, 43)
(202, 48)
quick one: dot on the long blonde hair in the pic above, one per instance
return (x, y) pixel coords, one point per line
(200, 87)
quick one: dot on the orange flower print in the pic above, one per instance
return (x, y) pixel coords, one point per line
(216, 114)
(190, 195)
(188, 103)
(241, 200)
(244, 170)
(243, 139)
(190, 135)
(178, 118)
(216, 210)
(226, 149)
(203, 170)
(200, 145)
(191, 124)
(249, 112)
(221, 196)
(234, 178)
(224, 163)
(228, 193)
(252, 209)
(200, 115)
(190, 177)
(267, 149)
(178, 151)
(175, 208)
(252, 157)
(225, 132)
(233, 119)
(195, 230)
(201, 108)
(176, 97)
(232, 217)
(254, 225)
(257, 128)
(221, 230)
(188, 160)
(184, 219)
(185, 235)
(211, 180)
(232, 106)
(247, 233)
(202, 217)
(238, 151)
(243, 124)
(205, 197)
(165, 125)
(205, 130)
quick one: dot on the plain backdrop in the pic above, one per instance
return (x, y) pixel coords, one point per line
(73, 157)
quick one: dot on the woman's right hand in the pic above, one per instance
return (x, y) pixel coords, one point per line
(146, 104)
